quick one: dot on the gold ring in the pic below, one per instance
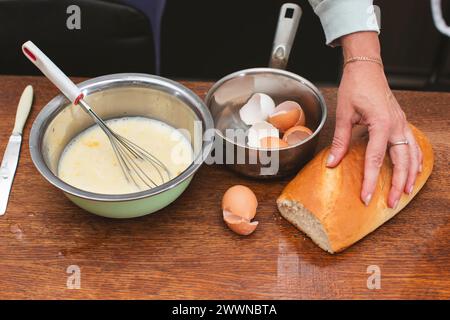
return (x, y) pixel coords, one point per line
(397, 143)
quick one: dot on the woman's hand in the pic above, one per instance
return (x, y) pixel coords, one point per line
(364, 98)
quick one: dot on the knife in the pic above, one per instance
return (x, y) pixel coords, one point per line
(11, 156)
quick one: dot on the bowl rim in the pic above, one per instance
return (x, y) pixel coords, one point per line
(55, 105)
(291, 75)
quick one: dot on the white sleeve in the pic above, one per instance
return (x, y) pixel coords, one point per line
(341, 17)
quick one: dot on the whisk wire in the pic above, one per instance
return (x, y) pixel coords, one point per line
(135, 168)
(145, 155)
(123, 166)
(138, 156)
(128, 152)
(123, 161)
(141, 154)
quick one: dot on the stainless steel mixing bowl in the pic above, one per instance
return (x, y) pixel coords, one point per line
(230, 93)
(114, 96)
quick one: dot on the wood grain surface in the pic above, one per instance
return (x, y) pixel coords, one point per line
(186, 251)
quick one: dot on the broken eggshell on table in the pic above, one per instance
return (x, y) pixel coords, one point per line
(267, 121)
(239, 205)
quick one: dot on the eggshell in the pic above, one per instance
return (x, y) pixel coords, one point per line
(301, 120)
(273, 143)
(257, 109)
(259, 131)
(283, 120)
(267, 105)
(287, 115)
(296, 134)
(240, 201)
(239, 225)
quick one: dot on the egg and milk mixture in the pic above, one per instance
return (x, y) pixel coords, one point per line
(89, 162)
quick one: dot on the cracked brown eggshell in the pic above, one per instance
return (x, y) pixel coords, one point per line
(239, 205)
(287, 115)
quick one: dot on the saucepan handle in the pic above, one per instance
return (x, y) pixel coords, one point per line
(288, 21)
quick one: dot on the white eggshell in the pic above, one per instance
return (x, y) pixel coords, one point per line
(260, 130)
(267, 105)
(257, 109)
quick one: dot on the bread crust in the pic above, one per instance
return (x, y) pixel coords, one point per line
(332, 195)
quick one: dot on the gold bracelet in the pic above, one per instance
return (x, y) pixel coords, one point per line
(362, 58)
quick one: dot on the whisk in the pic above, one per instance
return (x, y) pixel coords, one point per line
(130, 156)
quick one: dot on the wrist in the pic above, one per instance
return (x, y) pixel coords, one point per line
(365, 72)
(366, 59)
(361, 44)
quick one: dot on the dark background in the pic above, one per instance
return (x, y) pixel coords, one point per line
(206, 40)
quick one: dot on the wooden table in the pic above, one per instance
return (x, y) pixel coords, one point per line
(186, 251)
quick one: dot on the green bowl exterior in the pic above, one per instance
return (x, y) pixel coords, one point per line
(131, 208)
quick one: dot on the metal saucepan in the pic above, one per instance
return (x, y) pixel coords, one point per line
(230, 93)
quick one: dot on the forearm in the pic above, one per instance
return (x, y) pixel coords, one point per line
(361, 44)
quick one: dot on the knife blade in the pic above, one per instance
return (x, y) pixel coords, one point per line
(11, 156)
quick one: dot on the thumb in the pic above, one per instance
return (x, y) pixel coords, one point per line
(341, 140)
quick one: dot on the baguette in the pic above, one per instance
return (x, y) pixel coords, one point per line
(325, 202)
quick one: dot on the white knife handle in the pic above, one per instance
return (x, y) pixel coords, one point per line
(23, 110)
(52, 72)
(288, 20)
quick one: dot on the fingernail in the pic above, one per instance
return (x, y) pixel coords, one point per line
(395, 204)
(367, 199)
(410, 190)
(330, 159)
